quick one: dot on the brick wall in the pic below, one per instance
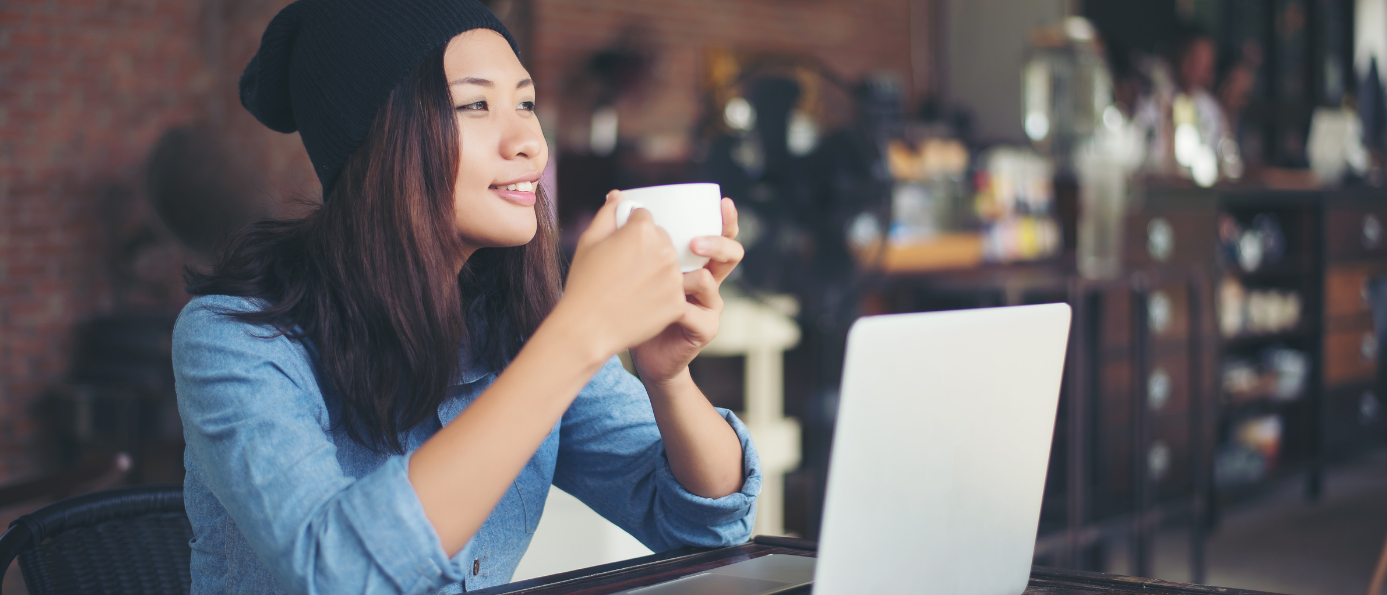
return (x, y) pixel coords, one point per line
(84, 86)
(86, 89)
(88, 86)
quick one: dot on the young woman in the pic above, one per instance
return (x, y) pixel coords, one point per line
(376, 398)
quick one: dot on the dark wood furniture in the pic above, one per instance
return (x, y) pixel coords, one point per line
(650, 570)
(1127, 457)
(1332, 243)
(1355, 251)
(1145, 414)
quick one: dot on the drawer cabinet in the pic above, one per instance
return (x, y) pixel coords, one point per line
(1355, 252)
(1355, 419)
(1179, 236)
(1168, 385)
(1168, 313)
(1165, 461)
(1350, 356)
(1356, 231)
(1167, 317)
(1346, 288)
(1167, 457)
(1115, 332)
(1112, 472)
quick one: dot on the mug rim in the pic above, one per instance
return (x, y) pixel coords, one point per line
(673, 186)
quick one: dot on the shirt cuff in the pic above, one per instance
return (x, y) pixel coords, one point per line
(385, 512)
(731, 509)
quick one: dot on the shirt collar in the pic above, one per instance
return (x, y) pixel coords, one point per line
(471, 369)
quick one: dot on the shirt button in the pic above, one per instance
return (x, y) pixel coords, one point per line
(476, 566)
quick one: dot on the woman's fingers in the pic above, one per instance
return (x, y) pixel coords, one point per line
(723, 254)
(729, 219)
(719, 248)
(604, 222)
(703, 311)
(701, 289)
(700, 324)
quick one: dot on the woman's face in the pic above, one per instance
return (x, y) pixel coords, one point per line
(502, 149)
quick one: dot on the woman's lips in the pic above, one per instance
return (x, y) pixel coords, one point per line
(524, 199)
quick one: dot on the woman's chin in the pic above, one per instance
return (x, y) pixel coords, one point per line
(503, 239)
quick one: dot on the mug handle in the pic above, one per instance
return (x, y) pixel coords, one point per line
(623, 211)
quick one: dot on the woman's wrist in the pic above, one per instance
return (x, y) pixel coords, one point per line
(574, 331)
(665, 388)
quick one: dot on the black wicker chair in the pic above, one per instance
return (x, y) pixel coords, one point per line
(123, 540)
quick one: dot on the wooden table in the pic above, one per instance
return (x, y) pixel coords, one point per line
(640, 572)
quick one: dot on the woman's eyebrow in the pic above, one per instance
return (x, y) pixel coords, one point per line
(481, 82)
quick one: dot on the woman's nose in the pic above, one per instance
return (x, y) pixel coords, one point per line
(521, 139)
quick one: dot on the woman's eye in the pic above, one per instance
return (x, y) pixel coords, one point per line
(528, 106)
(478, 106)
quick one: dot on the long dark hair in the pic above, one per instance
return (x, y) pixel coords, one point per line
(370, 280)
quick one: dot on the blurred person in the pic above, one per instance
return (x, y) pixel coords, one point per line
(1182, 76)
(377, 397)
(1152, 85)
(1238, 81)
(1195, 59)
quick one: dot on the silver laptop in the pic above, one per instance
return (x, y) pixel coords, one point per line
(938, 464)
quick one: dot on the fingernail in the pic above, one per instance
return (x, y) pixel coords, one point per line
(701, 244)
(612, 194)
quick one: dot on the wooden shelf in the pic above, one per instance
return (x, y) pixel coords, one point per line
(1303, 331)
(1295, 269)
(1258, 405)
(942, 252)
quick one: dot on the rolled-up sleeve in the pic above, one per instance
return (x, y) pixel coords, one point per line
(611, 457)
(258, 429)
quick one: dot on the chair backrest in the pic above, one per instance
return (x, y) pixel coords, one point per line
(123, 540)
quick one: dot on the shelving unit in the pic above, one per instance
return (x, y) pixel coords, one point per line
(1143, 410)
(1291, 453)
(1107, 420)
(1354, 251)
(1333, 243)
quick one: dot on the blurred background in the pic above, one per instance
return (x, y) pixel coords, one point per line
(1201, 179)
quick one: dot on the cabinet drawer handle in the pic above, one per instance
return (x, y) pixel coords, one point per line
(1368, 408)
(1158, 389)
(1372, 231)
(1159, 312)
(1158, 460)
(1367, 348)
(1160, 239)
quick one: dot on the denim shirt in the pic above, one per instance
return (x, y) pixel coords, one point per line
(281, 500)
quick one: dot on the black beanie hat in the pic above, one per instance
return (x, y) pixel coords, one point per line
(325, 67)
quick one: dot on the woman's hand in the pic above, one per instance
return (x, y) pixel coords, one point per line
(664, 357)
(624, 285)
(624, 291)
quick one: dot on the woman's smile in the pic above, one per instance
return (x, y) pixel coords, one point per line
(521, 192)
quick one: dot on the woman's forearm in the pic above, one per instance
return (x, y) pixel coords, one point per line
(463, 470)
(623, 288)
(704, 452)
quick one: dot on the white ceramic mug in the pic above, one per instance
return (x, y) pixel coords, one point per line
(684, 211)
